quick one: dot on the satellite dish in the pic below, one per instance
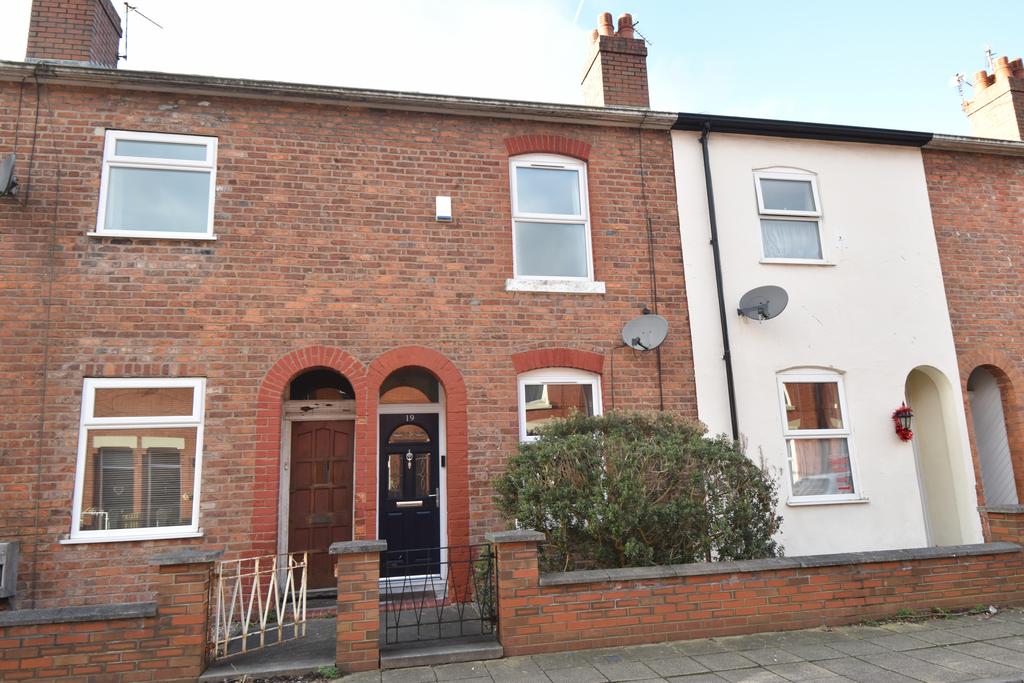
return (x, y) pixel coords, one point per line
(8, 183)
(763, 303)
(645, 333)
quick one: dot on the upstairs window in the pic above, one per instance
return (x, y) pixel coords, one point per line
(790, 214)
(139, 453)
(553, 393)
(550, 219)
(817, 432)
(157, 185)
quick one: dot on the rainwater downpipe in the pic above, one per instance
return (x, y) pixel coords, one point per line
(713, 220)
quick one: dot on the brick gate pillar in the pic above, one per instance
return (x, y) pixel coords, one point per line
(518, 577)
(183, 611)
(357, 569)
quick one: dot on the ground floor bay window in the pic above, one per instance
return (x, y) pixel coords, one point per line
(139, 452)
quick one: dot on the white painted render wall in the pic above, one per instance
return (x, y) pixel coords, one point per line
(877, 312)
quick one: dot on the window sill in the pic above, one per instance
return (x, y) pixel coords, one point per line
(797, 502)
(560, 286)
(796, 262)
(180, 236)
(155, 536)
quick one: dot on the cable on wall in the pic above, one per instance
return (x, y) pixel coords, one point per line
(652, 268)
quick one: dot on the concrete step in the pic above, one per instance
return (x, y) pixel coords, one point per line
(440, 652)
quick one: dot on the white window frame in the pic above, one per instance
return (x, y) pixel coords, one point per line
(782, 215)
(198, 386)
(112, 160)
(554, 376)
(582, 284)
(795, 434)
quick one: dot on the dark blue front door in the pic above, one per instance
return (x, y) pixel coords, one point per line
(410, 516)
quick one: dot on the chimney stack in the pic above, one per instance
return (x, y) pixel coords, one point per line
(616, 71)
(82, 32)
(997, 109)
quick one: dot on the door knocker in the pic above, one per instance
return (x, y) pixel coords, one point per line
(408, 460)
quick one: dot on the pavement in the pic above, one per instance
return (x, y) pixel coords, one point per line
(961, 648)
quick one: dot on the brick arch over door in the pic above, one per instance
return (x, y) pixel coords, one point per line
(547, 144)
(456, 441)
(267, 460)
(1010, 378)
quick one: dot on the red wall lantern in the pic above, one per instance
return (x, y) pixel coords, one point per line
(901, 419)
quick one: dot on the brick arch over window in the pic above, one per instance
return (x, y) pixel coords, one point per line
(558, 358)
(1010, 378)
(267, 460)
(456, 441)
(547, 144)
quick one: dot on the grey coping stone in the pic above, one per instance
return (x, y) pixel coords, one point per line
(1006, 509)
(515, 536)
(768, 564)
(186, 556)
(64, 615)
(352, 547)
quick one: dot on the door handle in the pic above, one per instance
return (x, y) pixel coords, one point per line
(432, 495)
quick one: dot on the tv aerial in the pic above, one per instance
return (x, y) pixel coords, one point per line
(763, 303)
(8, 183)
(646, 332)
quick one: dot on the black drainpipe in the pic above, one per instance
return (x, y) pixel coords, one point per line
(713, 219)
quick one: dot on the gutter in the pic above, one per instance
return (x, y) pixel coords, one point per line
(213, 86)
(796, 129)
(713, 220)
(962, 143)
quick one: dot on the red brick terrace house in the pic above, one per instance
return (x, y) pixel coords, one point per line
(263, 317)
(976, 188)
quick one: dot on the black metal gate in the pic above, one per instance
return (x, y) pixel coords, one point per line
(438, 593)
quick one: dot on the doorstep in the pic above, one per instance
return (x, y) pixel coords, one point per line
(440, 652)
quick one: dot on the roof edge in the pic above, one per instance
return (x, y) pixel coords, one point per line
(86, 76)
(797, 129)
(963, 143)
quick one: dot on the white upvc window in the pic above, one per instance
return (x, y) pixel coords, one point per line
(139, 465)
(790, 214)
(551, 224)
(157, 185)
(816, 429)
(551, 393)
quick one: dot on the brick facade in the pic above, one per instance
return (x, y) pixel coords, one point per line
(975, 201)
(327, 255)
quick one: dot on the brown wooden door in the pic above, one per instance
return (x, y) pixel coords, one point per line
(320, 501)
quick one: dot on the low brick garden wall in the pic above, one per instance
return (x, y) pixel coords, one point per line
(585, 609)
(163, 640)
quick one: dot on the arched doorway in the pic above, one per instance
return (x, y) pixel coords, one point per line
(317, 469)
(411, 482)
(990, 437)
(938, 450)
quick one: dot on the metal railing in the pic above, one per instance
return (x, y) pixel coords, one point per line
(438, 593)
(258, 602)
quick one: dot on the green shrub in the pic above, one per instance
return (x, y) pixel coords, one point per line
(624, 490)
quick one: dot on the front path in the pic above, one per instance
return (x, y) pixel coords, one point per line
(963, 648)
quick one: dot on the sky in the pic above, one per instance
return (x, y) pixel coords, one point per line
(869, 62)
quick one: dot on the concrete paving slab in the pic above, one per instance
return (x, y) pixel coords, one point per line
(767, 656)
(958, 661)
(419, 674)
(944, 637)
(461, 671)
(900, 642)
(625, 671)
(813, 653)
(576, 674)
(724, 661)
(676, 666)
(704, 646)
(1010, 643)
(699, 678)
(752, 676)
(861, 671)
(858, 648)
(916, 668)
(799, 671)
(993, 653)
